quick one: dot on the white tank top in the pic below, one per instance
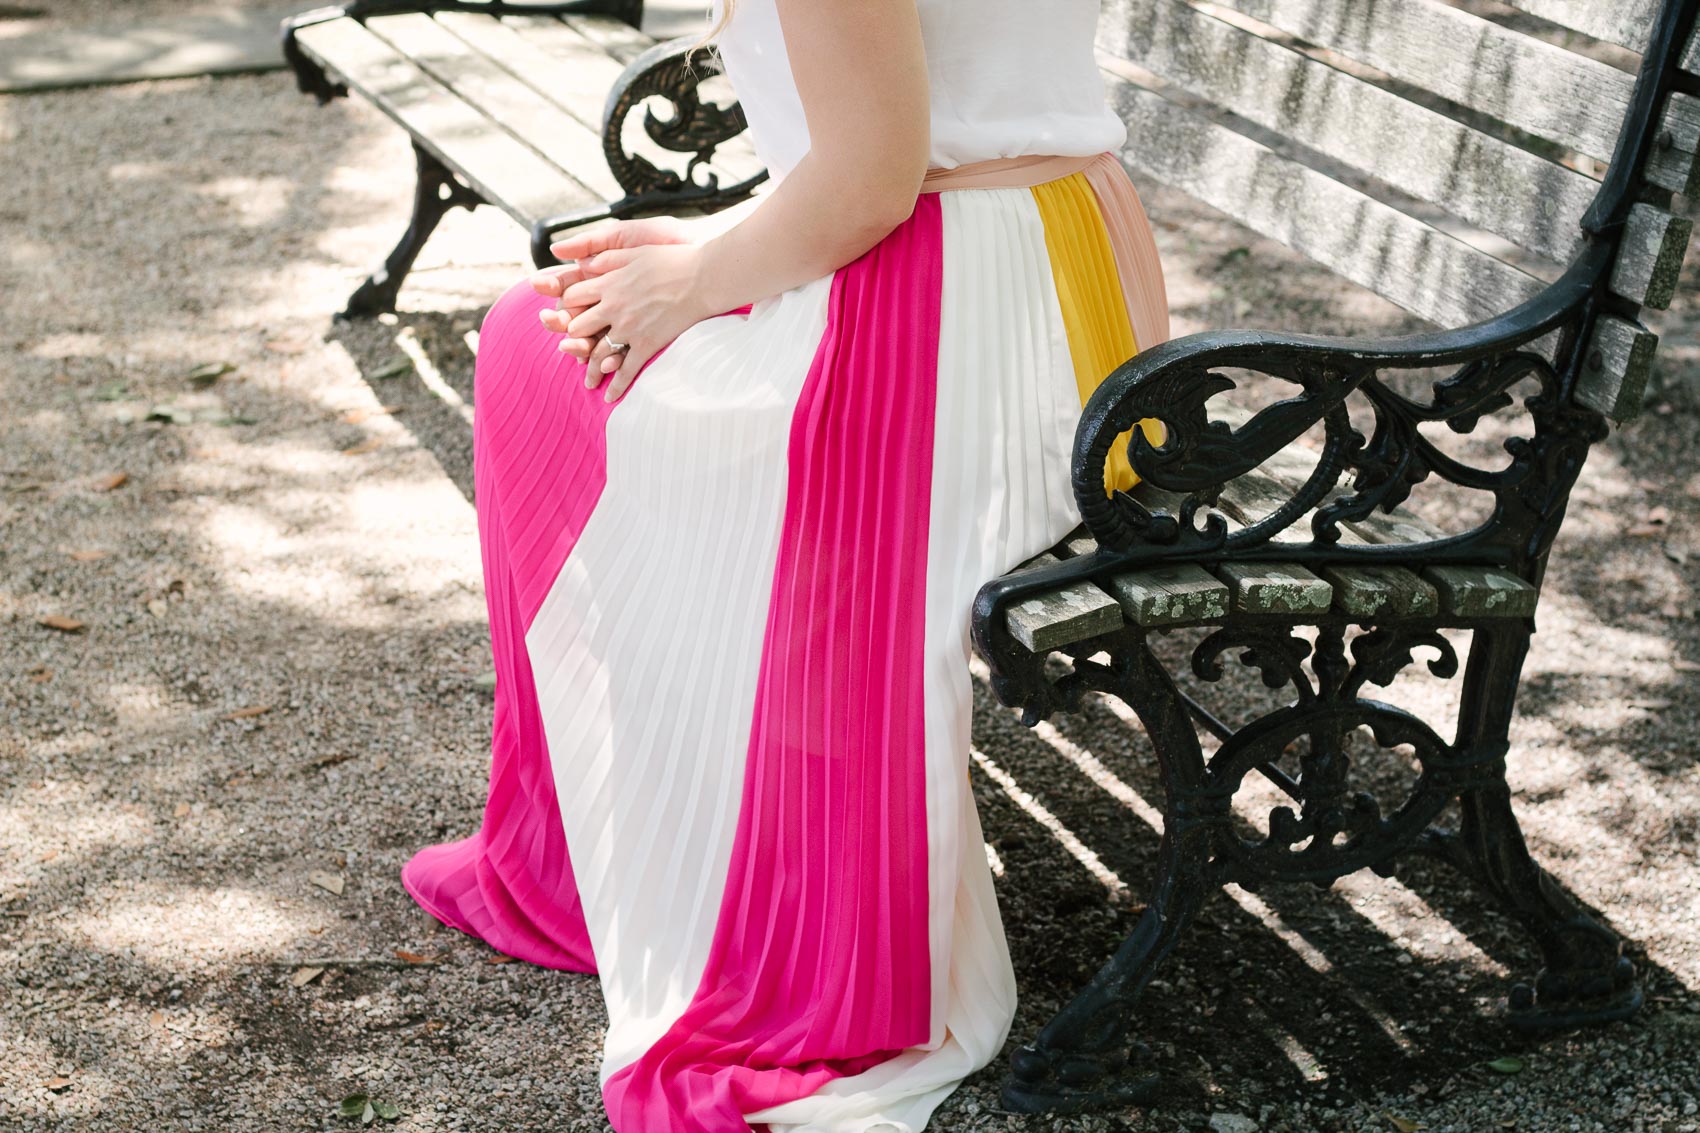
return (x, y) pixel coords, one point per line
(1006, 78)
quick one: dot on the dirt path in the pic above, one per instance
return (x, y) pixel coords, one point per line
(275, 686)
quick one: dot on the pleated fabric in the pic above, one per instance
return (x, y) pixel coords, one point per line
(736, 610)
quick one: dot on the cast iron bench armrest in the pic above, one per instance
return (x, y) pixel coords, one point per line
(695, 126)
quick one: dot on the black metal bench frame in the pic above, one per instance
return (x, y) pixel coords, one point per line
(1083, 1058)
(668, 70)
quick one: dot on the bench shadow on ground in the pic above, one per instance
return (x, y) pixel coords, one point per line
(1295, 991)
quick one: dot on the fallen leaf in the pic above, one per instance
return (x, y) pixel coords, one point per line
(1506, 1066)
(247, 713)
(211, 372)
(170, 414)
(58, 1085)
(87, 556)
(181, 810)
(1659, 514)
(412, 957)
(112, 391)
(1676, 554)
(157, 607)
(370, 444)
(1402, 1124)
(355, 416)
(485, 683)
(1644, 530)
(498, 958)
(432, 1025)
(285, 346)
(353, 1105)
(328, 881)
(61, 623)
(48, 855)
(1650, 705)
(394, 368)
(389, 1111)
(40, 676)
(157, 1018)
(305, 976)
(108, 483)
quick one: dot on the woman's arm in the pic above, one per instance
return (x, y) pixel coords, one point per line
(861, 73)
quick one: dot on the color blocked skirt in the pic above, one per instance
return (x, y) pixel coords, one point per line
(729, 616)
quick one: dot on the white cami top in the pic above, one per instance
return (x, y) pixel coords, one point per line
(1007, 78)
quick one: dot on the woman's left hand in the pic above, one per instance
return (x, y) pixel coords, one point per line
(644, 297)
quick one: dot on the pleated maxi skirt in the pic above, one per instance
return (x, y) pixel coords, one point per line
(729, 616)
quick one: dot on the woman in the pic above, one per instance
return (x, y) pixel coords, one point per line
(729, 600)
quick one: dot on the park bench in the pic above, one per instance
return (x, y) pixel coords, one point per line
(529, 108)
(1496, 168)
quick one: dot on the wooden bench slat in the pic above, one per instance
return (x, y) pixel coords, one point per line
(1615, 372)
(1627, 23)
(1275, 588)
(1649, 261)
(618, 38)
(507, 173)
(1552, 93)
(1381, 591)
(549, 57)
(562, 139)
(1482, 592)
(1676, 166)
(1062, 617)
(1490, 183)
(1416, 266)
(1181, 594)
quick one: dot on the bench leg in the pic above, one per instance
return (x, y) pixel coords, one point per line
(1586, 977)
(1083, 1058)
(435, 193)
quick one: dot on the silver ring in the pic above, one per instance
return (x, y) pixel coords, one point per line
(616, 347)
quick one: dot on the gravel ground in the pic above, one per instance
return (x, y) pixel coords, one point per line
(272, 693)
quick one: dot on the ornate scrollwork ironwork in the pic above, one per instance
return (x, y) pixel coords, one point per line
(674, 74)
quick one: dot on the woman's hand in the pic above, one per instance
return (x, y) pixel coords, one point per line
(590, 242)
(644, 297)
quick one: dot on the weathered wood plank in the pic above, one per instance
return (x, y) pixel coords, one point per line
(1649, 261)
(1482, 592)
(1673, 164)
(509, 103)
(1275, 588)
(507, 173)
(618, 38)
(1552, 93)
(1492, 184)
(1627, 23)
(1062, 617)
(1615, 372)
(549, 57)
(1181, 594)
(1378, 591)
(1411, 264)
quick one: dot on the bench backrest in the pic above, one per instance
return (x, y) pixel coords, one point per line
(1440, 154)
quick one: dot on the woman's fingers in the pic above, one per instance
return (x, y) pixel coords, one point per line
(553, 281)
(588, 241)
(634, 360)
(582, 294)
(587, 324)
(596, 366)
(606, 261)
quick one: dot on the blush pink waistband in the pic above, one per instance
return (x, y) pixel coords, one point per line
(1005, 172)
